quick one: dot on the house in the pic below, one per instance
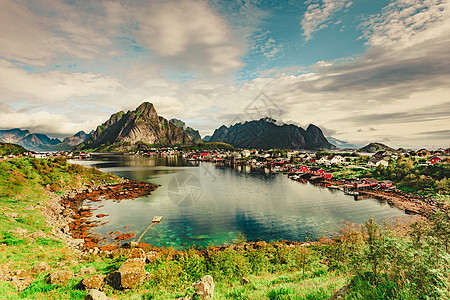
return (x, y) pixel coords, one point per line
(327, 175)
(316, 171)
(375, 162)
(385, 183)
(304, 169)
(323, 160)
(337, 159)
(435, 159)
(369, 181)
(245, 153)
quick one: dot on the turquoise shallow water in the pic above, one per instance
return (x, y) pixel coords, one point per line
(207, 204)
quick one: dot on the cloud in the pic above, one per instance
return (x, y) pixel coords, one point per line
(184, 32)
(317, 14)
(437, 133)
(53, 85)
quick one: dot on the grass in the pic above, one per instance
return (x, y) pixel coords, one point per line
(379, 262)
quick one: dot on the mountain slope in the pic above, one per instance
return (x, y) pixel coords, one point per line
(267, 133)
(32, 141)
(194, 134)
(141, 125)
(77, 138)
(342, 144)
(375, 147)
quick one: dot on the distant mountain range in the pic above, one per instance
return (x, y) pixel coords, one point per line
(40, 142)
(267, 133)
(138, 128)
(342, 144)
(142, 128)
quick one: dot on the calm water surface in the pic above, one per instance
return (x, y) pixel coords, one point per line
(208, 204)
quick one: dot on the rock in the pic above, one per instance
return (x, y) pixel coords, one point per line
(22, 283)
(129, 245)
(87, 271)
(341, 293)
(138, 253)
(11, 215)
(59, 277)
(130, 273)
(19, 231)
(95, 295)
(204, 288)
(84, 207)
(151, 256)
(93, 282)
(37, 235)
(41, 267)
(65, 228)
(245, 281)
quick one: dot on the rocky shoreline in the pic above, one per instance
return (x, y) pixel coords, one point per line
(70, 219)
(410, 203)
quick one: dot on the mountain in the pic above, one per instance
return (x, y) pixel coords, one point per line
(11, 149)
(142, 125)
(194, 134)
(267, 133)
(342, 144)
(31, 141)
(207, 138)
(77, 138)
(375, 147)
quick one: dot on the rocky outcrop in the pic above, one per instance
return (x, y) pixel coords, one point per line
(267, 133)
(96, 295)
(192, 133)
(130, 273)
(93, 282)
(204, 288)
(140, 125)
(59, 277)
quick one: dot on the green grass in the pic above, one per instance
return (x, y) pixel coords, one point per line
(379, 262)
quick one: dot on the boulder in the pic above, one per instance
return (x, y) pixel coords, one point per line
(19, 231)
(87, 271)
(138, 254)
(93, 282)
(151, 256)
(204, 288)
(245, 281)
(59, 277)
(41, 267)
(22, 283)
(37, 235)
(130, 273)
(95, 295)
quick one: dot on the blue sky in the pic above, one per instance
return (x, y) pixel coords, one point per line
(361, 70)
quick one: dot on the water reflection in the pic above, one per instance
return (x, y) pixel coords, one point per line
(208, 204)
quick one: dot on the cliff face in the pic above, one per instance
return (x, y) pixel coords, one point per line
(191, 132)
(140, 125)
(77, 138)
(266, 133)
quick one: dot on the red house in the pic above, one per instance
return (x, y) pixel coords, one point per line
(369, 181)
(434, 159)
(304, 169)
(316, 171)
(385, 183)
(327, 175)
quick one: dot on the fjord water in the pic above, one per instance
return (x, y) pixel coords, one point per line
(207, 204)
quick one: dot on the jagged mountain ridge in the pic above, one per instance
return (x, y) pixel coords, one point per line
(31, 141)
(194, 134)
(77, 138)
(267, 133)
(140, 125)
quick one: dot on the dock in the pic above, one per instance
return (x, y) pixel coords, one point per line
(157, 219)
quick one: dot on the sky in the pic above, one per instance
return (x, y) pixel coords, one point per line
(362, 70)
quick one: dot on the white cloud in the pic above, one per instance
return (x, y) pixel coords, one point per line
(317, 14)
(403, 24)
(53, 85)
(185, 32)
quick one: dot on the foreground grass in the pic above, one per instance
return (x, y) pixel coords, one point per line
(379, 262)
